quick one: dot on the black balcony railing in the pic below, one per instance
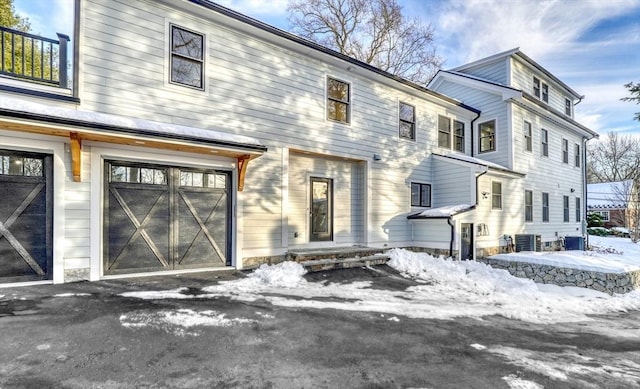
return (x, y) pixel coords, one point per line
(34, 58)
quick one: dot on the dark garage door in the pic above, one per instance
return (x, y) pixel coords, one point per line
(165, 218)
(26, 217)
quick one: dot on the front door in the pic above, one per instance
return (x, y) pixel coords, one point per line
(321, 209)
(26, 219)
(466, 249)
(165, 218)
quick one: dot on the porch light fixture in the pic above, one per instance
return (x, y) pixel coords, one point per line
(377, 157)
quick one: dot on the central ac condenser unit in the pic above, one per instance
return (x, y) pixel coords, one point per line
(528, 242)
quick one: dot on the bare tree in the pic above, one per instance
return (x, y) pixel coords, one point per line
(614, 158)
(372, 31)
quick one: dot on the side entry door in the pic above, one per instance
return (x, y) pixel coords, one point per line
(321, 209)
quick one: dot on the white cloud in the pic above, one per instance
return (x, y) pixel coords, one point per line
(478, 28)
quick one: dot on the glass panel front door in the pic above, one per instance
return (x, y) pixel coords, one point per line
(321, 209)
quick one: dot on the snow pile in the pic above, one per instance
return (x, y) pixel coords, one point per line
(285, 274)
(446, 290)
(461, 275)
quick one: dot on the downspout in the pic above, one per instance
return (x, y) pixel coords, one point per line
(478, 186)
(450, 222)
(473, 132)
(584, 189)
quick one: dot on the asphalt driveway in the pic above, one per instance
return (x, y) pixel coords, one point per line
(88, 335)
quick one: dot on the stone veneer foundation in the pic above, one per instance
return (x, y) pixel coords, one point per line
(546, 274)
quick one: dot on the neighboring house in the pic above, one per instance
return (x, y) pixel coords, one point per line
(192, 137)
(529, 150)
(614, 202)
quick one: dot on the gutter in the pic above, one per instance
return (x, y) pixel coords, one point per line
(129, 131)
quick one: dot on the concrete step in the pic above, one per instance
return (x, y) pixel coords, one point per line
(344, 263)
(305, 255)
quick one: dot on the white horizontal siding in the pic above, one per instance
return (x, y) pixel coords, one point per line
(452, 184)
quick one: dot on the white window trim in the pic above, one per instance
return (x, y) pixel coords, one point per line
(476, 146)
(193, 26)
(415, 122)
(501, 196)
(524, 136)
(532, 206)
(350, 115)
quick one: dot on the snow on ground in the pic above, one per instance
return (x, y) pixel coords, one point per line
(608, 255)
(177, 322)
(448, 289)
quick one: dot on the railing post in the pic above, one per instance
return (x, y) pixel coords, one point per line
(63, 39)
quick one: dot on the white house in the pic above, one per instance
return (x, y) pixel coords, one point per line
(191, 137)
(529, 159)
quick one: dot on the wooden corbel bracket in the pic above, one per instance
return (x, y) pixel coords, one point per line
(243, 161)
(76, 152)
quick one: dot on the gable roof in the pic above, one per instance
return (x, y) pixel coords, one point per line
(609, 194)
(516, 52)
(506, 92)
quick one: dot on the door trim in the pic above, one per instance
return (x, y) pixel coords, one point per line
(314, 219)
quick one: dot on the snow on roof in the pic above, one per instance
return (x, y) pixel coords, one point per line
(446, 211)
(609, 194)
(158, 128)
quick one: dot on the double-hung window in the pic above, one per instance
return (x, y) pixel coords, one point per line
(458, 136)
(565, 151)
(487, 136)
(578, 213)
(528, 206)
(545, 207)
(545, 92)
(187, 57)
(544, 142)
(407, 121)
(576, 155)
(338, 100)
(496, 195)
(565, 208)
(420, 195)
(540, 90)
(444, 132)
(567, 107)
(528, 137)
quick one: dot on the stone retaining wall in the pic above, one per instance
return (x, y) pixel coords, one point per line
(546, 274)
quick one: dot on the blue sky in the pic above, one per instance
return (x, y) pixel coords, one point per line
(591, 45)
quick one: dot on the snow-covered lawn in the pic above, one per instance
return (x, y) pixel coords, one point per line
(447, 289)
(608, 255)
